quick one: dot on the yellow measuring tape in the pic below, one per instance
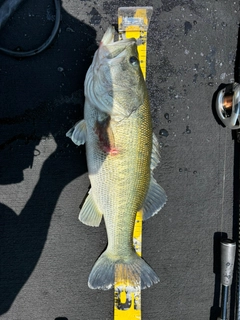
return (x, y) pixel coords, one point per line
(133, 22)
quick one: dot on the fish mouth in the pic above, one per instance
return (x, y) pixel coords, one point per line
(112, 49)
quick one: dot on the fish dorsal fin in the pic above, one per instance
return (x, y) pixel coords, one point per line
(155, 199)
(155, 157)
(89, 213)
(78, 133)
(156, 196)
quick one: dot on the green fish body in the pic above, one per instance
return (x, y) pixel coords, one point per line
(122, 152)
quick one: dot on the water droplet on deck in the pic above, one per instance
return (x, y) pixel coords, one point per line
(60, 69)
(163, 132)
(188, 131)
(180, 169)
(68, 29)
(166, 116)
(223, 76)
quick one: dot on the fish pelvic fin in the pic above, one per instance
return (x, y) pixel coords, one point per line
(130, 271)
(89, 213)
(78, 133)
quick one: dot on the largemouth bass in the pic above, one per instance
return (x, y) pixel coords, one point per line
(122, 152)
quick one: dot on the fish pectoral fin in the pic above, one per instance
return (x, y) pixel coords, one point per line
(155, 199)
(89, 213)
(78, 133)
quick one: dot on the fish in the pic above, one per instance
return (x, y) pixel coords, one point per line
(122, 151)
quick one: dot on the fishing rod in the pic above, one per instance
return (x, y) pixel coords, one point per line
(228, 249)
(228, 111)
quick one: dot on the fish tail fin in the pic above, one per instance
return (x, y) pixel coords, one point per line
(130, 271)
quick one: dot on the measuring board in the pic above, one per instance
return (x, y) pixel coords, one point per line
(133, 22)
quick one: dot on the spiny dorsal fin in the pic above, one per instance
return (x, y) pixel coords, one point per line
(156, 196)
(155, 157)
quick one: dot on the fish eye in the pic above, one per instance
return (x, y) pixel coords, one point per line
(134, 61)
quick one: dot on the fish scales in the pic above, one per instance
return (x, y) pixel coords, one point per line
(127, 177)
(122, 152)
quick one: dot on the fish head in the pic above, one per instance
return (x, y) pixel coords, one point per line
(115, 83)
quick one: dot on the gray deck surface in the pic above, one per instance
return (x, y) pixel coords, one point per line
(46, 253)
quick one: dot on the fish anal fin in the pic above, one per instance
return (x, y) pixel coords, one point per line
(89, 213)
(78, 133)
(155, 199)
